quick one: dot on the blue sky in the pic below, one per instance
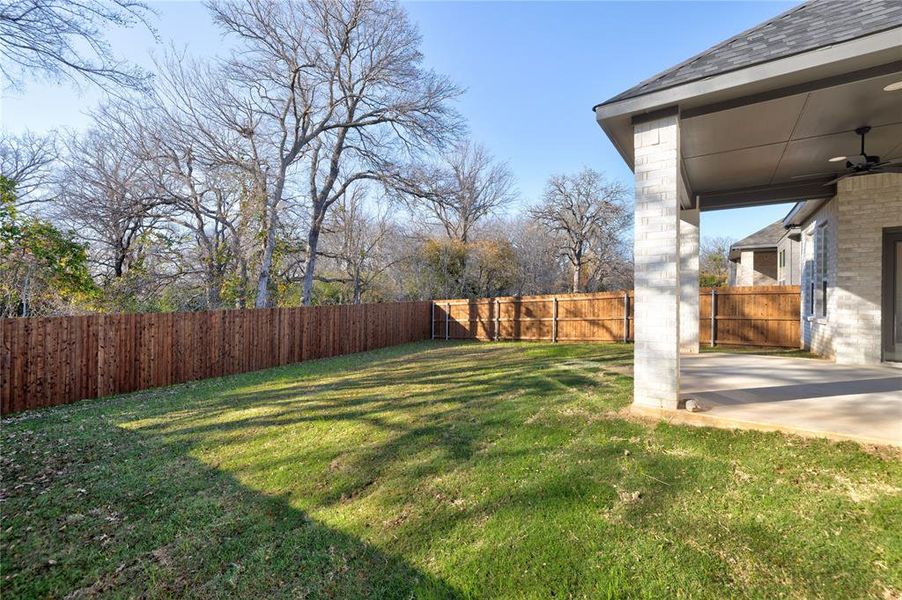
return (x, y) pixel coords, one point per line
(532, 71)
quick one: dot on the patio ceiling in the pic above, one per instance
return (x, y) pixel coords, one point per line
(782, 142)
(756, 135)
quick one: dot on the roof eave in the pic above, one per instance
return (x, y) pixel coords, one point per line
(821, 63)
(801, 211)
(887, 40)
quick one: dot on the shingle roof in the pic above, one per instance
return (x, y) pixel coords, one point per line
(806, 27)
(763, 238)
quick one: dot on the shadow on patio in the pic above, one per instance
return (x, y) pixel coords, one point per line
(795, 394)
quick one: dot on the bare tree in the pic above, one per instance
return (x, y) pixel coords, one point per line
(714, 261)
(587, 215)
(305, 81)
(28, 161)
(539, 266)
(466, 188)
(65, 39)
(202, 197)
(104, 195)
(356, 243)
(611, 267)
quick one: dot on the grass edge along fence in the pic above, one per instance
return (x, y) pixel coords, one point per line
(48, 361)
(767, 316)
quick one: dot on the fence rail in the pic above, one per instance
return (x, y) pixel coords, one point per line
(742, 316)
(58, 360)
(597, 317)
(751, 316)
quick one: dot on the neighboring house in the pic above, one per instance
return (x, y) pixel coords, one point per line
(767, 257)
(770, 116)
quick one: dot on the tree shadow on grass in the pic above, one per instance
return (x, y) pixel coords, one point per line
(134, 516)
(155, 518)
(443, 374)
(461, 470)
(447, 402)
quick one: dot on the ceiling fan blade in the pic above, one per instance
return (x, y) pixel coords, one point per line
(813, 175)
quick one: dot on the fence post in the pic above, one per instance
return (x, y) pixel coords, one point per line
(626, 316)
(713, 315)
(432, 322)
(497, 320)
(447, 319)
(554, 319)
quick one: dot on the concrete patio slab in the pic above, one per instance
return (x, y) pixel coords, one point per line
(798, 395)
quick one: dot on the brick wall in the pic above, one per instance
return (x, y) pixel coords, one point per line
(689, 246)
(657, 259)
(765, 269)
(789, 274)
(817, 331)
(755, 267)
(866, 206)
(856, 216)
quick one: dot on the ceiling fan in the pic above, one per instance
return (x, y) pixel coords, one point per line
(860, 164)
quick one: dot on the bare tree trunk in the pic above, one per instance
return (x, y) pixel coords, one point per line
(212, 283)
(310, 262)
(243, 281)
(269, 243)
(263, 299)
(577, 271)
(25, 292)
(357, 285)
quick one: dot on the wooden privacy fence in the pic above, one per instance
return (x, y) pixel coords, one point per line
(597, 317)
(57, 360)
(751, 316)
(742, 316)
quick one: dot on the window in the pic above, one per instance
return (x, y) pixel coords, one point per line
(781, 267)
(811, 298)
(819, 282)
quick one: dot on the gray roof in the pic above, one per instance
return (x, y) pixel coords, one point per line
(812, 25)
(768, 237)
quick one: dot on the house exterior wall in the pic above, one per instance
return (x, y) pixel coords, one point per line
(765, 268)
(754, 267)
(788, 274)
(867, 205)
(855, 217)
(817, 331)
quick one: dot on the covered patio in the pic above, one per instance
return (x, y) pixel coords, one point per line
(798, 395)
(775, 115)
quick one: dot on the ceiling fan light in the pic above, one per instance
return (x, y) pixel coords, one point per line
(895, 86)
(836, 159)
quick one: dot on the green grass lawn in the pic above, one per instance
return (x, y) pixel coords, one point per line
(434, 470)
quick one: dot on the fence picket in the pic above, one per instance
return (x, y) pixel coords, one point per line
(741, 316)
(51, 361)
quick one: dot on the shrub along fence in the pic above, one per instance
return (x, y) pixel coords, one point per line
(58, 360)
(741, 316)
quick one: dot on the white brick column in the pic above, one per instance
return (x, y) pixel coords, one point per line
(689, 281)
(657, 262)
